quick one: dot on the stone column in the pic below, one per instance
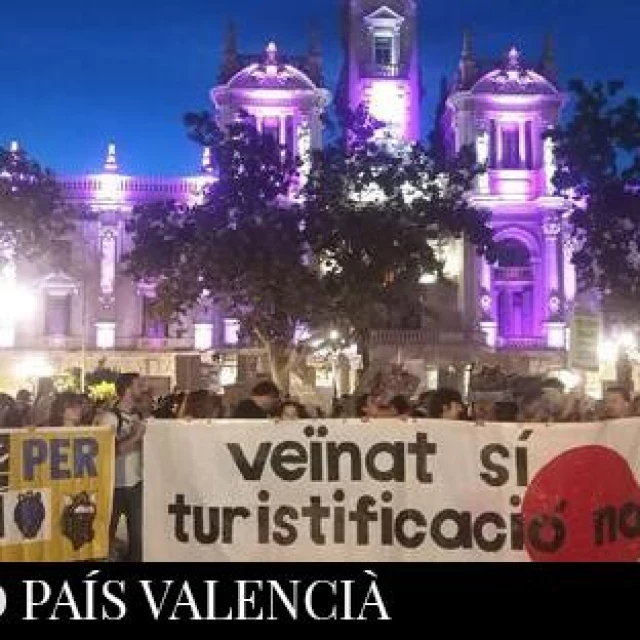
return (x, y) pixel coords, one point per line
(482, 157)
(555, 324)
(522, 130)
(487, 302)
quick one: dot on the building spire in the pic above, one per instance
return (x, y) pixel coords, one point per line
(467, 45)
(314, 57)
(231, 44)
(513, 59)
(111, 162)
(229, 64)
(14, 147)
(548, 66)
(468, 67)
(315, 48)
(271, 53)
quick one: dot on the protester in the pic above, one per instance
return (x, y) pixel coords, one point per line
(17, 413)
(446, 404)
(401, 406)
(291, 410)
(423, 406)
(635, 406)
(485, 409)
(262, 405)
(8, 413)
(505, 412)
(126, 423)
(24, 406)
(617, 403)
(67, 410)
(146, 404)
(201, 405)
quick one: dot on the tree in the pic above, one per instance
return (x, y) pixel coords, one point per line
(355, 243)
(244, 249)
(375, 217)
(33, 213)
(598, 156)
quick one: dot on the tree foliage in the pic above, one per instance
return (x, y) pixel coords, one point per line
(353, 242)
(598, 155)
(33, 213)
(376, 219)
(243, 249)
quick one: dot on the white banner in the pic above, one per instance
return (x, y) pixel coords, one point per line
(251, 491)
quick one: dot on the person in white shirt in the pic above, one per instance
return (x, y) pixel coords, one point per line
(129, 430)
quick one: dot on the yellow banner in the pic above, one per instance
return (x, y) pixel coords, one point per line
(56, 491)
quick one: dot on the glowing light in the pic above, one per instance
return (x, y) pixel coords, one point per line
(228, 376)
(388, 103)
(7, 336)
(109, 187)
(231, 331)
(203, 337)
(429, 278)
(105, 335)
(627, 341)
(490, 330)
(452, 256)
(334, 335)
(569, 379)
(302, 333)
(35, 366)
(15, 146)
(556, 335)
(607, 351)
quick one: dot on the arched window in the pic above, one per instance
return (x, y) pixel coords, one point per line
(513, 253)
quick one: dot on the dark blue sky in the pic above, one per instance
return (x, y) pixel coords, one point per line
(76, 73)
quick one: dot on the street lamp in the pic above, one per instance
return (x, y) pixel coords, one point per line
(619, 351)
(16, 303)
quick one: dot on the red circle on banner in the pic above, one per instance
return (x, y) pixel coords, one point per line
(592, 491)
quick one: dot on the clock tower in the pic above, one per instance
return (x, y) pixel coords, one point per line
(382, 66)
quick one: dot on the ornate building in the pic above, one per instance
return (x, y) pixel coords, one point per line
(382, 68)
(519, 308)
(504, 112)
(88, 310)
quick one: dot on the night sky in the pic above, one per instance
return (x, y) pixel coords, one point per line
(76, 73)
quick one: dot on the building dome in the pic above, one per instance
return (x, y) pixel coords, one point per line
(271, 74)
(514, 79)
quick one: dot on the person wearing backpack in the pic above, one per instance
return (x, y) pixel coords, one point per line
(129, 430)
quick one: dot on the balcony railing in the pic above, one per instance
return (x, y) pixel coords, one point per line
(373, 70)
(517, 184)
(165, 344)
(404, 336)
(523, 343)
(424, 337)
(514, 274)
(56, 343)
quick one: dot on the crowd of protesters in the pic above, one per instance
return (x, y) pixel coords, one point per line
(544, 402)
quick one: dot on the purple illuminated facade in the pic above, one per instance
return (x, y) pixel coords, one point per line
(88, 310)
(382, 66)
(504, 112)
